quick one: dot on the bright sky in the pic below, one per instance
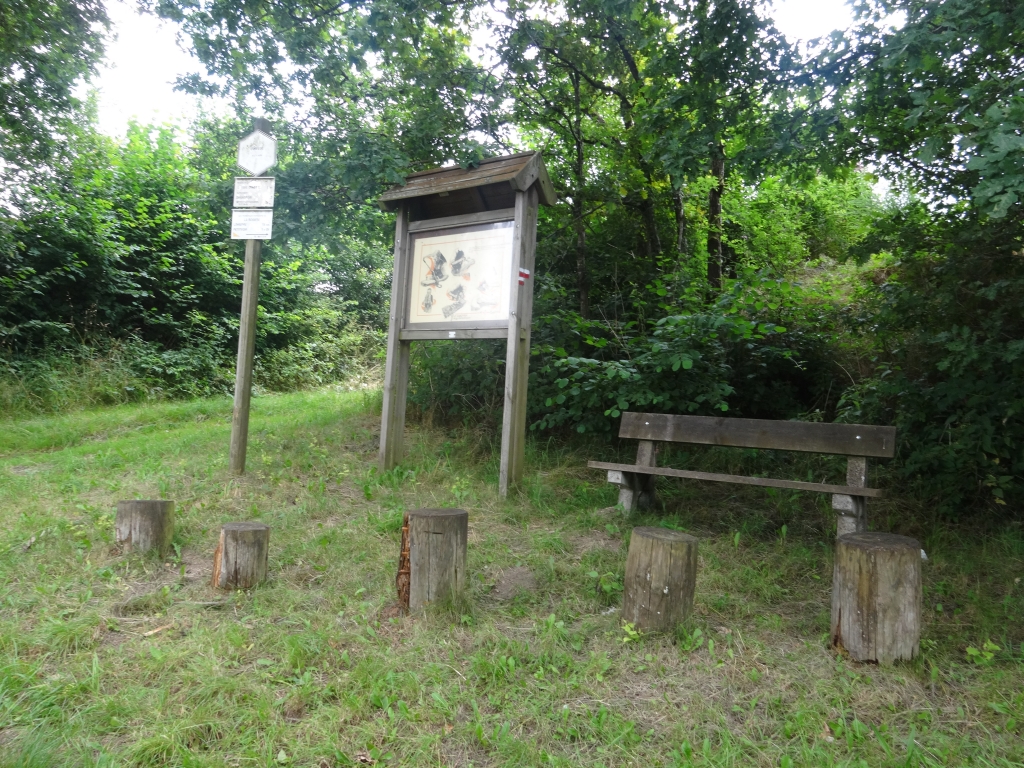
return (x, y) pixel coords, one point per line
(145, 58)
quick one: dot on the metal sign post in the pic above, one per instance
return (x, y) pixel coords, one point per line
(252, 219)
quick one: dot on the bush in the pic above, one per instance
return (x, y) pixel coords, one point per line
(731, 356)
(948, 337)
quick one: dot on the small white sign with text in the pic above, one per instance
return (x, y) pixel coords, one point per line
(254, 192)
(252, 224)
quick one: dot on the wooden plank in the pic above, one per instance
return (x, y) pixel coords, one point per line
(417, 334)
(738, 479)
(518, 160)
(396, 367)
(451, 179)
(519, 171)
(453, 325)
(843, 439)
(532, 173)
(548, 196)
(485, 217)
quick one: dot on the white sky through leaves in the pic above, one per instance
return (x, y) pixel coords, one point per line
(145, 58)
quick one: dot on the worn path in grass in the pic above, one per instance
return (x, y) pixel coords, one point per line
(311, 669)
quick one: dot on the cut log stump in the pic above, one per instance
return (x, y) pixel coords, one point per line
(876, 597)
(437, 555)
(402, 579)
(240, 561)
(661, 574)
(142, 526)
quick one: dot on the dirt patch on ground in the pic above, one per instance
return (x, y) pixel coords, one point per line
(591, 540)
(512, 581)
(28, 469)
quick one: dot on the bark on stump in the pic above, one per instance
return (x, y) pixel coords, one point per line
(437, 555)
(661, 573)
(402, 579)
(876, 597)
(240, 561)
(144, 525)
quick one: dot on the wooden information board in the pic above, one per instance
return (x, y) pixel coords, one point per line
(465, 241)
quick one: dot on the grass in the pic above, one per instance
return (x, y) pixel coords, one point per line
(533, 668)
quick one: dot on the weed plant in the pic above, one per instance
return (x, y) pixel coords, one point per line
(114, 659)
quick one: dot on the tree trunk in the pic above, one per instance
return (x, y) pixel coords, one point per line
(144, 525)
(582, 275)
(437, 555)
(661, 573)
(715, 217)
(651, 236)
(682, 246)
(240, 561)
(876, 597)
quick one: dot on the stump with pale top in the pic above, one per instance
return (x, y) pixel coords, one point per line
(240, 561)
(437, 555)
(144, 525)
(661, 574)
(876, 597)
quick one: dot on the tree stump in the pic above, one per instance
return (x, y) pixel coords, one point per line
(240, 561)
(402, 579)
(876, 597)
(661, 573)
(142, 526)
(437, 555)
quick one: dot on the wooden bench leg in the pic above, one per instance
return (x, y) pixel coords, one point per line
(636, 491)
(627, 488)
(852, 510)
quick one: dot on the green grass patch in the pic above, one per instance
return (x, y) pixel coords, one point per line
(533, 668)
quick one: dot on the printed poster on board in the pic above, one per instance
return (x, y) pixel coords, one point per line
(461, 274)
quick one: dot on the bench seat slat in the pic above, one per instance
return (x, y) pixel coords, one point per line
(739, 479)
(812, 437)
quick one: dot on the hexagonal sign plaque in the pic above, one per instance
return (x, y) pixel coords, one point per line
(257, 153)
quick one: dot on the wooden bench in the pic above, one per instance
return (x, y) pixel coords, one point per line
(856, 441)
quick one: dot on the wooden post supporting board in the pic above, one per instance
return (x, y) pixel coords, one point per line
(661, 575)
(437, 555)
(396, 366)
(142, 526)
(246, 352)
(517, 350)
(240, 561)
(876, 597)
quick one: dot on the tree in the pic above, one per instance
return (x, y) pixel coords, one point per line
(716, 78)
(383, 85)
(939, 100)
(46, 48)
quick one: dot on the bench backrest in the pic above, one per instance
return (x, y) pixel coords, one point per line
(813, 437)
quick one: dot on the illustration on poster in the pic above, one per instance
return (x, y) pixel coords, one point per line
(462, 275)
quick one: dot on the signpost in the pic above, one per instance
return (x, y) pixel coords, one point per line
(465, 241)
(252, 220)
